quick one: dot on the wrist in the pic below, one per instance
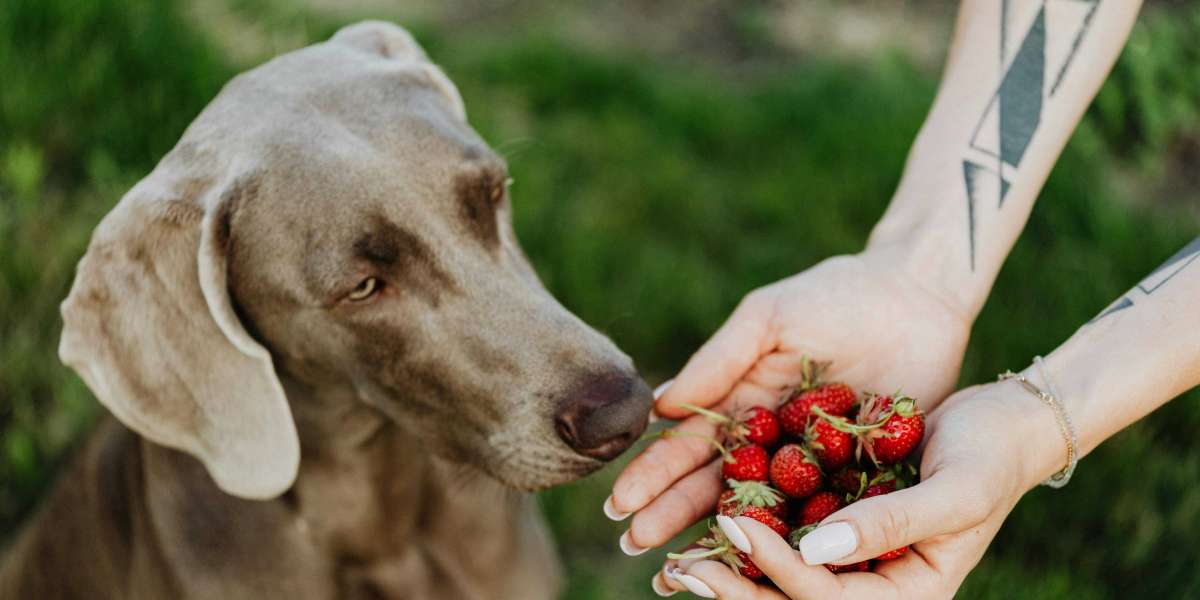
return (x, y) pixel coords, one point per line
(915, 249)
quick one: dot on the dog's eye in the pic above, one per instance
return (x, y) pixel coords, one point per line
(499, 189)
(365, 290)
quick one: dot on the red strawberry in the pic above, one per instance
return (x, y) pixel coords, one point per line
(746, 463)
(900, 433)
(748, 569)
(818, 506)
(878, 489)
(751, 493)
(833, 448)
(850, 568)
(849, 480)
(794, 471)
(888, 430)
(892, 554)
(759, 426)
(765, 517)
(833, 398)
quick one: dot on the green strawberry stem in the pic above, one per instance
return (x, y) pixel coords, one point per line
(696, 555)
(670, 433)
(844, 424)
(713, 417)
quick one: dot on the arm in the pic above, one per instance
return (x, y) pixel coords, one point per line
(991, 444)
(1019, 77)
(899, 313)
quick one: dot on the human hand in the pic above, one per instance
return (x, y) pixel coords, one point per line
(985, 447)
(868, 315)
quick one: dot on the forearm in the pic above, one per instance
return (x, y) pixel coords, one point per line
(1139, 353)
(1015, 85)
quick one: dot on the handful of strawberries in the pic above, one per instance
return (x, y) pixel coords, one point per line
(823, 448)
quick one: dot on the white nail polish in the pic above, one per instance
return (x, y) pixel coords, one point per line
(669, 572)
(630, 548)
(658, 391)
(661, 588)
(695, 586)
(734, 533)
(828, 543)
(611, 511)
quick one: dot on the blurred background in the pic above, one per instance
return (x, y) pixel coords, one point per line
(669, 156)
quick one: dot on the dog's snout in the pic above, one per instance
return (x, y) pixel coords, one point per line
(604, 414)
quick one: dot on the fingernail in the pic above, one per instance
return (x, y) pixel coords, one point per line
(669, 572)
(610, 510)
(630, 548)
(662, 388)
(734, 533)
(660, 587)
(695, 586)
(828, 543)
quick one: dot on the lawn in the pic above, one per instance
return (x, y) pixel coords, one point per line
(651, 194)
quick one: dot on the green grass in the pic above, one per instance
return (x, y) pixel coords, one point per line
(650, 198)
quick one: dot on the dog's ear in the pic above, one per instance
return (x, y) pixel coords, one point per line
(150, 327)
(380, 39)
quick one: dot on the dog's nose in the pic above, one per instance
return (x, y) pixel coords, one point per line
(604, 414)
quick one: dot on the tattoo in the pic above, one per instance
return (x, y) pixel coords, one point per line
(1012, 116)
(1156, 280)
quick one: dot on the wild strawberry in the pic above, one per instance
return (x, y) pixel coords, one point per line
(888, 430)
(818, 506)
(751, 493)
(746, 463)
(861, 566)
(833, 448)
(849, 480)
(755, 425)
(719, 547)
(892, 554)
(900, 434)
(761, 426)
(795, 472)
(833, 398)
(765, 517)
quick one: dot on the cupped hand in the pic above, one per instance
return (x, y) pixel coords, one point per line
(877, 325)
(985, 447)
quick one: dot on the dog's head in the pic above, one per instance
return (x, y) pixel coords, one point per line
(331, 221)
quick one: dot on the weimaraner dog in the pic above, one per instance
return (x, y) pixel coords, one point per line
(334, 371)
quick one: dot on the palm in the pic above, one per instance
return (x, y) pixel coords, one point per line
(878, 329)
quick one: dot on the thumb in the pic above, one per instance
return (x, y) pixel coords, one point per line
(948, 502)
(712, 372)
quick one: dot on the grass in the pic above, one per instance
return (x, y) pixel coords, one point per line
(650, 198)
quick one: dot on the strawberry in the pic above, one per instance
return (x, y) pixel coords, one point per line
(761, 426)
(751, 493)
(849, 481)
(795, 471)
(746, 463)
(818, 506)
(887, 429)
(833, 398)
(861, 566)
(900, 434)
(719, 547)
(755, 425)
(765, 517)
(833, 448)
(892, 554)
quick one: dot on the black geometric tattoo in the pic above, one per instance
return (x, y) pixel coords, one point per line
(1013, 114)
(1156, 280)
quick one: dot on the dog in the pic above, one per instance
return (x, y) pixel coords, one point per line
(333, 372)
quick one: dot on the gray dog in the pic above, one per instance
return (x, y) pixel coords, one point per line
(335, 373)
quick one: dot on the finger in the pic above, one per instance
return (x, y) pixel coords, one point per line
(950, 501)
(721, 362)
(686, 502)
(665, 585)
(661, 464)
(719, 581)
(779, 561)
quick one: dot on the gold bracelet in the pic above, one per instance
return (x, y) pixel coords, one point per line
(1050, 398)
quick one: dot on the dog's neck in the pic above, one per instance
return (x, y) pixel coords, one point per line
(371, 489)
